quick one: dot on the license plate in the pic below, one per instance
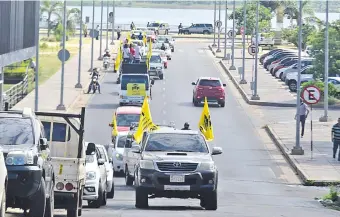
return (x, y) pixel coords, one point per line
(177, 178)
(177, 187)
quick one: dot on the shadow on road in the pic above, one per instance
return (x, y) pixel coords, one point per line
(103, 106)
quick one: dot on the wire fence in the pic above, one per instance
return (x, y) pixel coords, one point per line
(16, 93)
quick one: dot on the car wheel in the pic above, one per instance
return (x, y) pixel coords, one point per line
(205, 32)
(165, 67)
(202, 202)
(39, 205)
(49, 210)
(211, 204)
(196, 103)
(222, 104)
(292, 86)
(142, 200)
(280, 76)
(128, 178)
(111, 194)
(97, 203)
(104, 201)
(161, 77)
(186, 32)
(173, 50)
(3, 204)
(271, 71)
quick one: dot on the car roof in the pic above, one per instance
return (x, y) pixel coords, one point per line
(128, 110)
(171, 130)
(209, 78)
(335, 78)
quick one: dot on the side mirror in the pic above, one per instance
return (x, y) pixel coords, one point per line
(136, 149)
(152, 82)
(216, 151)
(101, 161)
(43, 143)
(91, 147)
(193, 83)
(224, 85)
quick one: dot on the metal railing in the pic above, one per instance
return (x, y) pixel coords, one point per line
(16, 93)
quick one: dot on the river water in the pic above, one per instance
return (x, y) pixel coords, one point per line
(141, 16)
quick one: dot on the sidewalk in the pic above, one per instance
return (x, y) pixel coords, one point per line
(49, 92)
(272, 91)
(319, 171)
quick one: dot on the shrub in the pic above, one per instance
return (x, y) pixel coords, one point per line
(332, 195)
(44, 45)
(332, 91)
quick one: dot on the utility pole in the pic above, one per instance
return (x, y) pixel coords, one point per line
(101, 31)
(297, 149)
(107, 25)
(255, 96)
(243, 80)
(232, 67)
(113, 23)
(36, 68)
(214, 44)
(78, 85)
(324, 118)
(93, 34)
(219, 28)
(225, 30)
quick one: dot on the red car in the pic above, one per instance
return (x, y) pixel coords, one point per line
(209, 87)
(125, 116)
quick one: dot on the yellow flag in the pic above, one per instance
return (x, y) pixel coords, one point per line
(128, 36)
(204, 124)
(114, 126)
(145, 122)
(144, 39)
(118, 59)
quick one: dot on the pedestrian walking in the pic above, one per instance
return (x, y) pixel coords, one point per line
(97, 29)
(180, 27)
(336, 138)
(85, 30)
(303, 112)
(118, 33)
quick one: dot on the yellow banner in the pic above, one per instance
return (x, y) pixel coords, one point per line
(118, 59)
(136, 89)
(204, 124)
(114, 126)
(145, 122)
(144, 39)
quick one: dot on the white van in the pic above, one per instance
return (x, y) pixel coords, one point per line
(64, 134)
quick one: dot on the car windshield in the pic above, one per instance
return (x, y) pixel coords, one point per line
(121, 142)
(209, 83)
(89, 159)
(154, 25)
(16, 131)
(170, 142)
(155, 59)
(135, 79)
(125, 120)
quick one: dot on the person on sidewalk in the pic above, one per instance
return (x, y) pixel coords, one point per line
(180, 27)
(336, 138)
(118, 33)
(303, 112)
(97, 30)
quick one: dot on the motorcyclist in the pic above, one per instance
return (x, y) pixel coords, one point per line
(163, 47)
(186, 126)
(166, 40)
(140, 36)
(107, 54)
(94, 73)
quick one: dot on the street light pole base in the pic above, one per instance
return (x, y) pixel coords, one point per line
(218, 50)
(90, 70)
(100, 58)
(297, 151)
(61, 107)
(112, 43)
(78, 85)
(255, 97)
(324, 119)
(243, 82)
(232, 67)
(214, 45)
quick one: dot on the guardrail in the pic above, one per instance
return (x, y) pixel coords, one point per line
(16, 93)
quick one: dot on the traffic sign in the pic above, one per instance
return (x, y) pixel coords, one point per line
(61, 55)
(218, 23)
(311, 94)
(252, 50)
(231, 34)
(94, 33)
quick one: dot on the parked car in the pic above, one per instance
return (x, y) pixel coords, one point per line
(280, 62)
(336, 82)
(276, 57)
(209, 87)
(294, 67)
(277, 70)
(199, 28)
(291, 78)
(3, 185)
(263, 56)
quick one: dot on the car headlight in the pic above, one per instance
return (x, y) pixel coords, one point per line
(210, 166)
(119, 156)
(146, 164)
(19, 158)
(91, 175)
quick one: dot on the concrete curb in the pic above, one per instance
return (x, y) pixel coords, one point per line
(212, 50)
(299, 171)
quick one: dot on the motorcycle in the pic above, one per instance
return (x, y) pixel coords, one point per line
(94, 85)
(106, 62)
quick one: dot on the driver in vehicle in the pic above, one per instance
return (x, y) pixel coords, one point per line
(186, 126)
(166, 40)
(163, 47)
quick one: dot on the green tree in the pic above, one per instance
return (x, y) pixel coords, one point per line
(72, 19)
(318, 46)
(293, 12)
(292, 35)
(265, 17)
(51, 8)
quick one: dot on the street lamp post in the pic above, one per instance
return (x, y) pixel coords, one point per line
(92, 40)
(101, 31)
(225, 30)
(232, 67)
(219, 28)
(36, 68)
(107, 25)
(325, 117)
(243, 80)
(78, 85)
(255, 96)
(214, 44)
(297, 149)
(113, 22)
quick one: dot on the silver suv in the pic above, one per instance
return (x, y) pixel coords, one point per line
(199, 28)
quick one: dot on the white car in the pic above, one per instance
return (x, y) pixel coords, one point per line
(3, 185)
(118, 152)
(291, 78)
(163, 56)
(167, 50)
(96, 176)
(109, 171)
(171, 40)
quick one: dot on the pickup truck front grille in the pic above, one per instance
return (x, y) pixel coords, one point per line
(176, 167)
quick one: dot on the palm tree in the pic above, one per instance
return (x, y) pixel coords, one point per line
(51, 8)
(292, 10)
(72, 19)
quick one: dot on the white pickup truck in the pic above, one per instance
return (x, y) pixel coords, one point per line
(3, 185)
(64, 133)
